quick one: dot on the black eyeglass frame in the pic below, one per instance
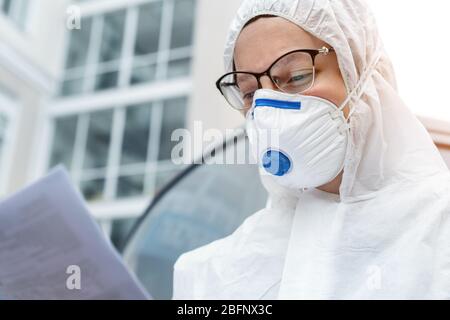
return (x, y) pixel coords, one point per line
(312, 52)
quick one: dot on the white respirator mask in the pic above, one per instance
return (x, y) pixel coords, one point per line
(299, 141)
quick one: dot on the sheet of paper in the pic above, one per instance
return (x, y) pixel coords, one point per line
(51, 248)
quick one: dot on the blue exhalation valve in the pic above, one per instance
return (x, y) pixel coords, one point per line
(276, 162)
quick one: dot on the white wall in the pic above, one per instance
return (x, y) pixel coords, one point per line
(40, 43)
(415, 34)
(30, 60)
(207, 104)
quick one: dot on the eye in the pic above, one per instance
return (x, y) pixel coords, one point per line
(276, 80)
(249, 96)
(300, 77)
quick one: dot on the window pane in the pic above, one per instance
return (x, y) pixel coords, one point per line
(3, 126)
(64, 141)
(149, 26)
(174, 114)
(106, 80)
(179, 68)
(136, 134)
(129, 186)
(112, 37)
(142, 74)
(120, 230)
(79, 44)
(20, 11)
(3, 123)
(6, 6)
(92, 189)
(183, 23)
(98, 139)
(71, 87)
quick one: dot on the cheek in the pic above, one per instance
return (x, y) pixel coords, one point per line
(331, 88)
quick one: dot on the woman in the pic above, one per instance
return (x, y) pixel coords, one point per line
(359, 195)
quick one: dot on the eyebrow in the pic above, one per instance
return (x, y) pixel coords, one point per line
(288, 60)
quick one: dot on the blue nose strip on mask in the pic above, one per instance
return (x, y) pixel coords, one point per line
(276, 162)
(280, 104)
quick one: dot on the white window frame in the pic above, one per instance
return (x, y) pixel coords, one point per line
(96, 10)
(10, 109)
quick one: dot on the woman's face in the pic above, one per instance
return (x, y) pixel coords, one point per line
(264, 40)
(261, 42)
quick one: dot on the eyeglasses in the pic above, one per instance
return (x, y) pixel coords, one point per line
(293, 72)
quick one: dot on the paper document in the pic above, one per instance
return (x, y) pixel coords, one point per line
(51, 248)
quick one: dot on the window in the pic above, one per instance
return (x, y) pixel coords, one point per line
(3, 126)
(129, 46)
(120, 228)
(65, 129)
(119, 152)
(16, 10)
(7, 128)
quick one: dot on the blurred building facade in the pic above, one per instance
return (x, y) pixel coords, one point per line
(104, 99)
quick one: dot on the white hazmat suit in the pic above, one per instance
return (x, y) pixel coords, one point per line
(385, 236)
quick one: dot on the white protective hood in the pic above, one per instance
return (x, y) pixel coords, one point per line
(387, 235)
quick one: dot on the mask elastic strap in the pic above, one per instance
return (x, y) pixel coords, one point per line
(360, 86)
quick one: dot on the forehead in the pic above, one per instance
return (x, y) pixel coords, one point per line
(266, 39)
